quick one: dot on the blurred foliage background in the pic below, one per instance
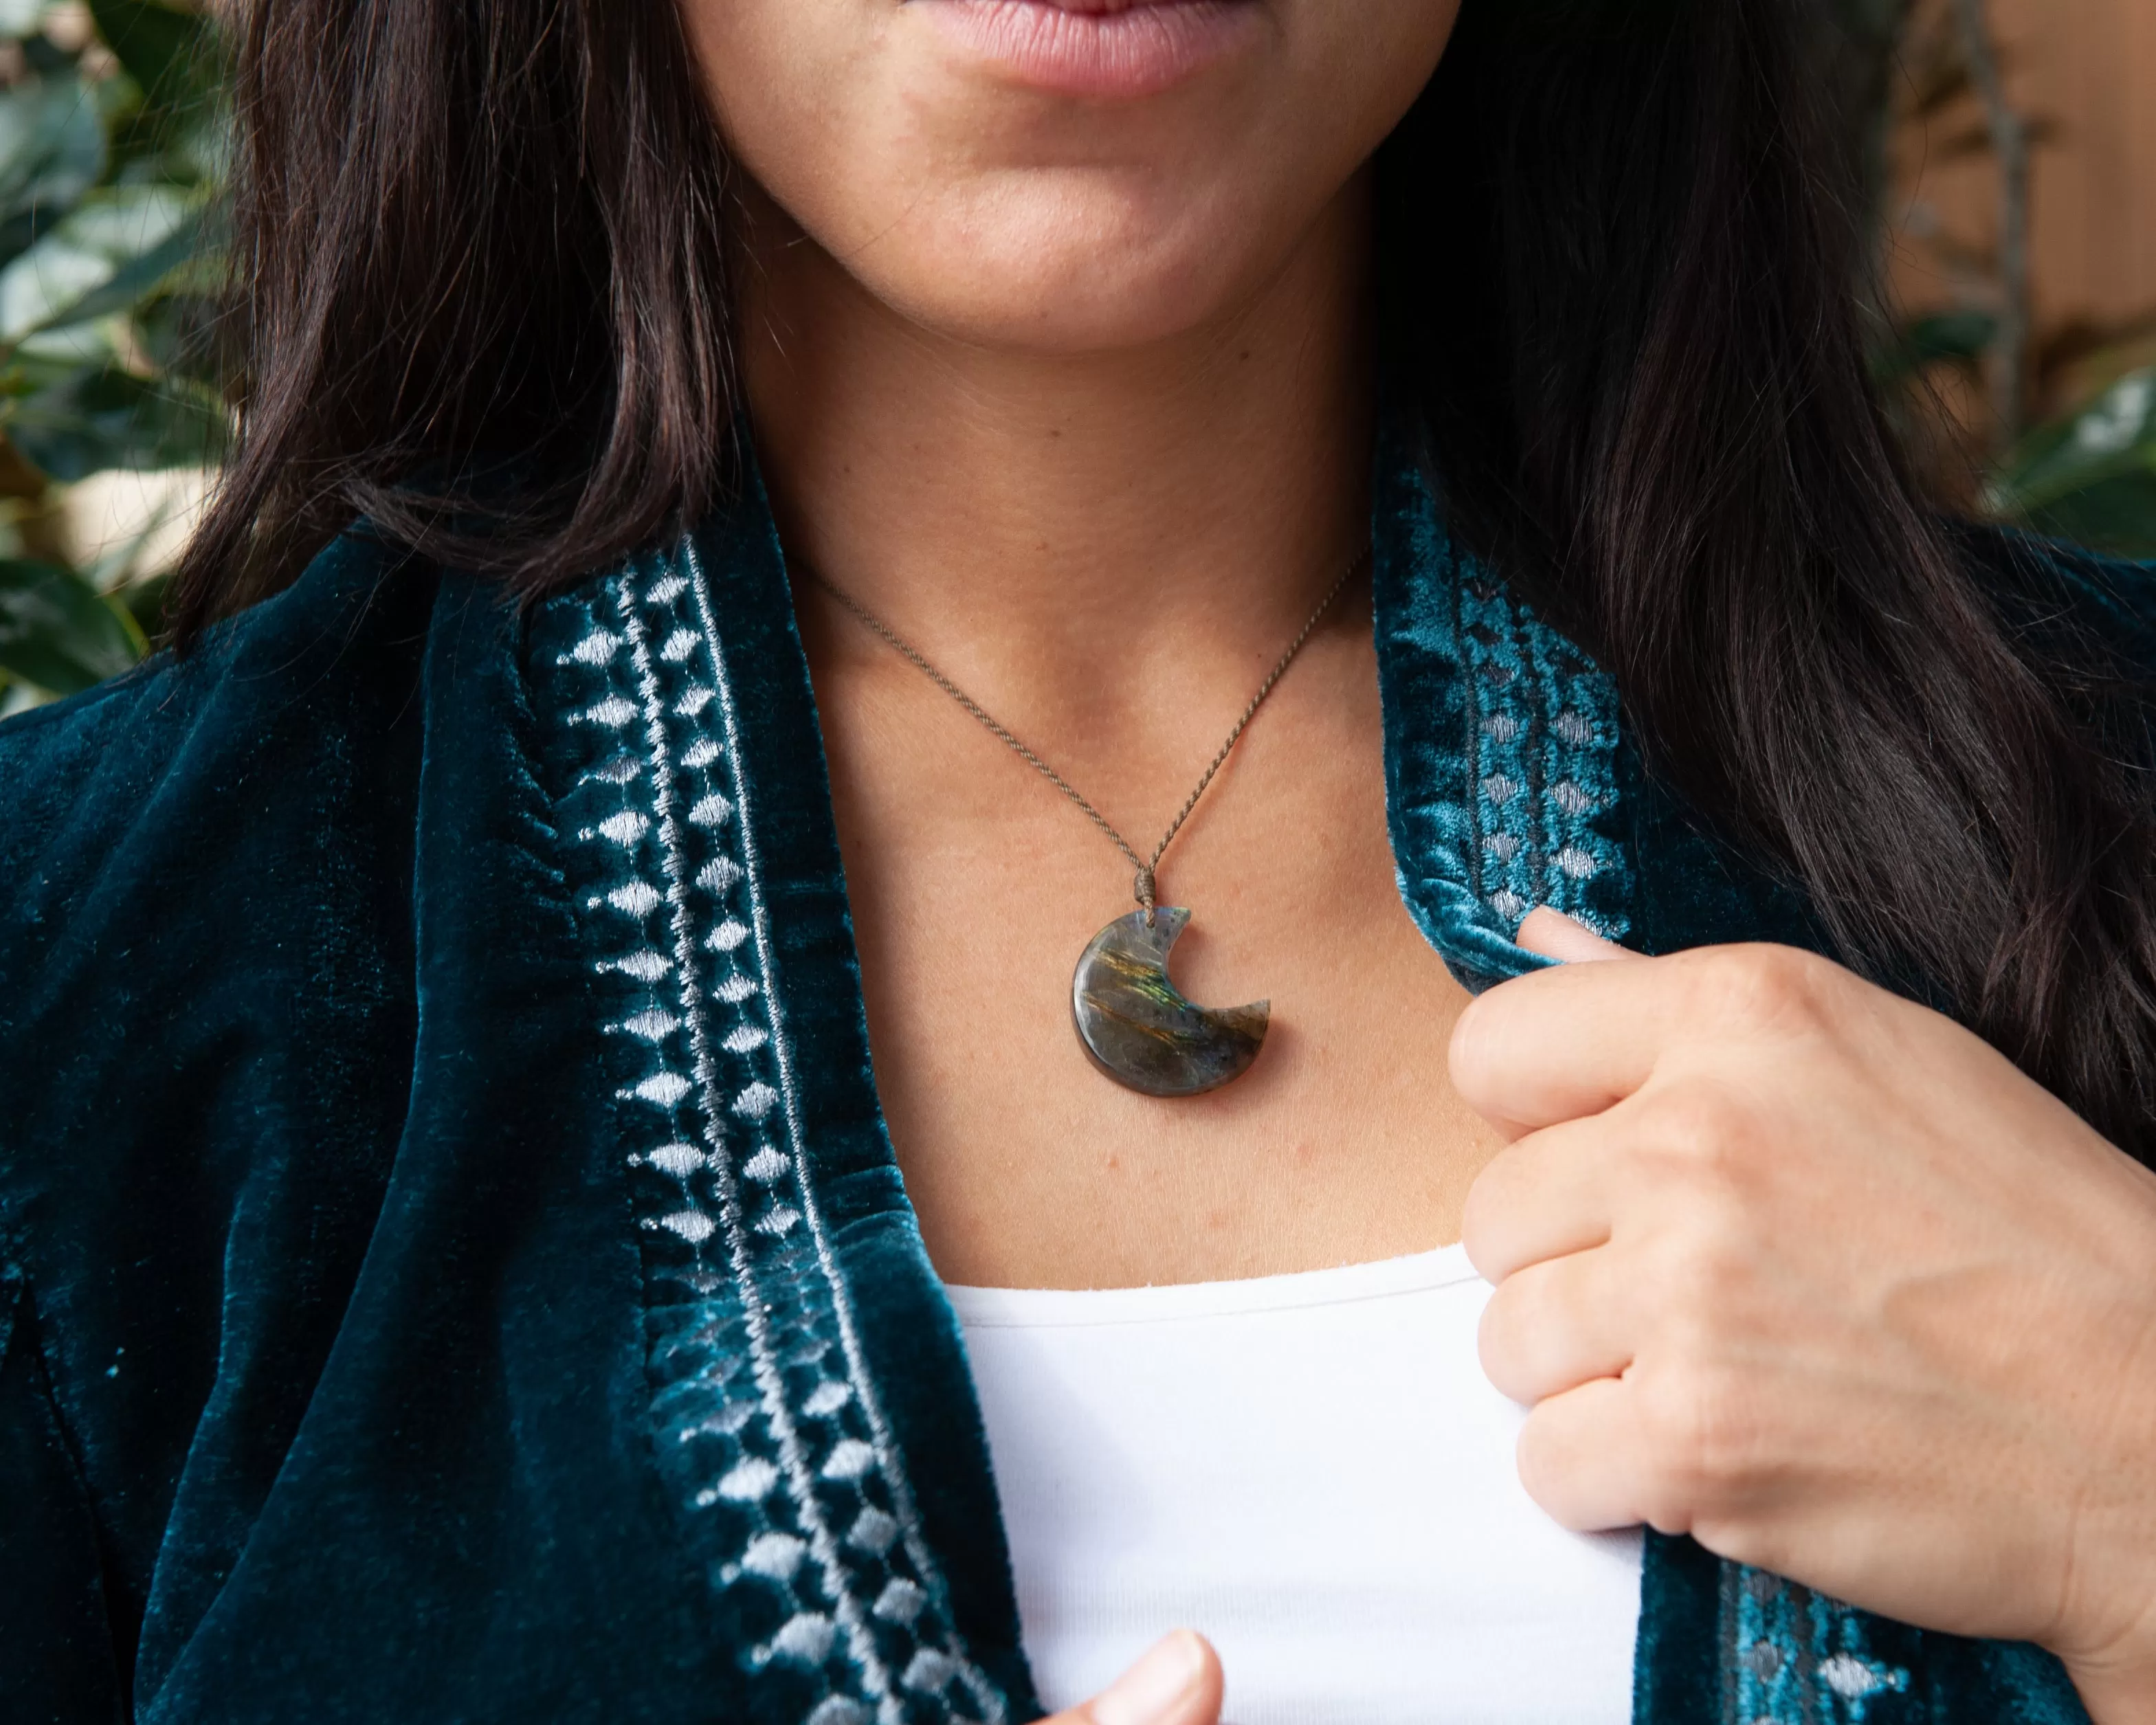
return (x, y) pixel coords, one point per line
(111, 418)
(111, 141)
(2008, 152)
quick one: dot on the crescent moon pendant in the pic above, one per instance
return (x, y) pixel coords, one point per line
(1139, 1030)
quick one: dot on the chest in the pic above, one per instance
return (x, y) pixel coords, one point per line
(975, 884)
(621, 1299)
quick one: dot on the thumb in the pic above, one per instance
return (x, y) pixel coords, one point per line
(1554, 935)
(1177, 1682)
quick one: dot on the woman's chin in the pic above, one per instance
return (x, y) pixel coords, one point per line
(1083, 266)
(1080, 304)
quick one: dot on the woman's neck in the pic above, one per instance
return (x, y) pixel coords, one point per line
(1015, 512)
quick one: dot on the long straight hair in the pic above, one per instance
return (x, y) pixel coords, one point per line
(483, 300)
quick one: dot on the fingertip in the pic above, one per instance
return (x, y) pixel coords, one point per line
(1177, 1682)
(1212, 1680)
(1551, 934)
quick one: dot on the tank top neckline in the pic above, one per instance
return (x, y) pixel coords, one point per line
(1168, 1302)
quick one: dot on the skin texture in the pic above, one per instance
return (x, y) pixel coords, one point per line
(1026, 369)
(1072, 392)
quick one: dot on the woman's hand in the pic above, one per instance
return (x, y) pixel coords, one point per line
(1810, 1273)
(1176, 1681)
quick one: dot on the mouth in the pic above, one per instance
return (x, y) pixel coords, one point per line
(1104, 50)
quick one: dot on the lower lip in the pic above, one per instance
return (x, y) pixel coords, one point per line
(1097, 48)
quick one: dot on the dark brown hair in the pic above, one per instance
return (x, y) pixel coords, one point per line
(484, 301)
(476, 240)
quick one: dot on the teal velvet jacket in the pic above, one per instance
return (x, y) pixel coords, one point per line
(452, 1264)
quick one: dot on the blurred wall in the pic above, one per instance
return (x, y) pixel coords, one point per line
(2083, 72)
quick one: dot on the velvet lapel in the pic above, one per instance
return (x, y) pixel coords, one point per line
(697, 781)
(906, 1340)
(814, 1421)
(812, 1418)
(1509, 783)
(456, 1529)
(1502, 743)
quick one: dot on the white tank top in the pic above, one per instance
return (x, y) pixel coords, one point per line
(1312, 1472)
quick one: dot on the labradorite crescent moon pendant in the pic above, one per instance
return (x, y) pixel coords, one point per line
(1132, 1022)
(1137, 1026)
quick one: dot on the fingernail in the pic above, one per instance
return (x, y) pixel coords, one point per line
(1152, 1691)
(1554, 935)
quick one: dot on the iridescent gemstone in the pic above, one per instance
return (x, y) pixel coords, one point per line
(1139, 1030)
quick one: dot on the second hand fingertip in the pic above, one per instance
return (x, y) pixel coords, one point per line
(1163, 1687)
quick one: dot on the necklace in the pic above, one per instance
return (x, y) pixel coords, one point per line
(1131, 1020)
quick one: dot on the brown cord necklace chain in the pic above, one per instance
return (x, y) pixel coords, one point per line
(1131, 1020)
(1143, 883)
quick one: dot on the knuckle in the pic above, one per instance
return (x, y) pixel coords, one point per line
(1485, 1222)
(1699, 1276)
(1535, 1458)
(1699, 1279)
(1506, 1337)
(1702, 1427)
(1760, 987)
(1706, 1126)
(1470, 1048)
(1498, 1347)
(1553, 1472)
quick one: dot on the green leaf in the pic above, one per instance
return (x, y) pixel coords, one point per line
(2105, 439)
(110, 418)
(52, 151)
(165, 51)
(177, 335)
(134, 281)
(74, 258)
(2091, 475)
(1939, 335)
(1952, 335)
(145, 603)
(2114, 515)
(57, 631)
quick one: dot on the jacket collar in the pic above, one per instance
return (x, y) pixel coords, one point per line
(1502, 741)
(813, 1414)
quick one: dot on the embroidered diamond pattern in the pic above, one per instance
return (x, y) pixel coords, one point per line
(764, 1416)
(1799, 1657)
(1545, 738)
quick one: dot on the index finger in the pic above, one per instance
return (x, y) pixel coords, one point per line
(1555, 1044)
